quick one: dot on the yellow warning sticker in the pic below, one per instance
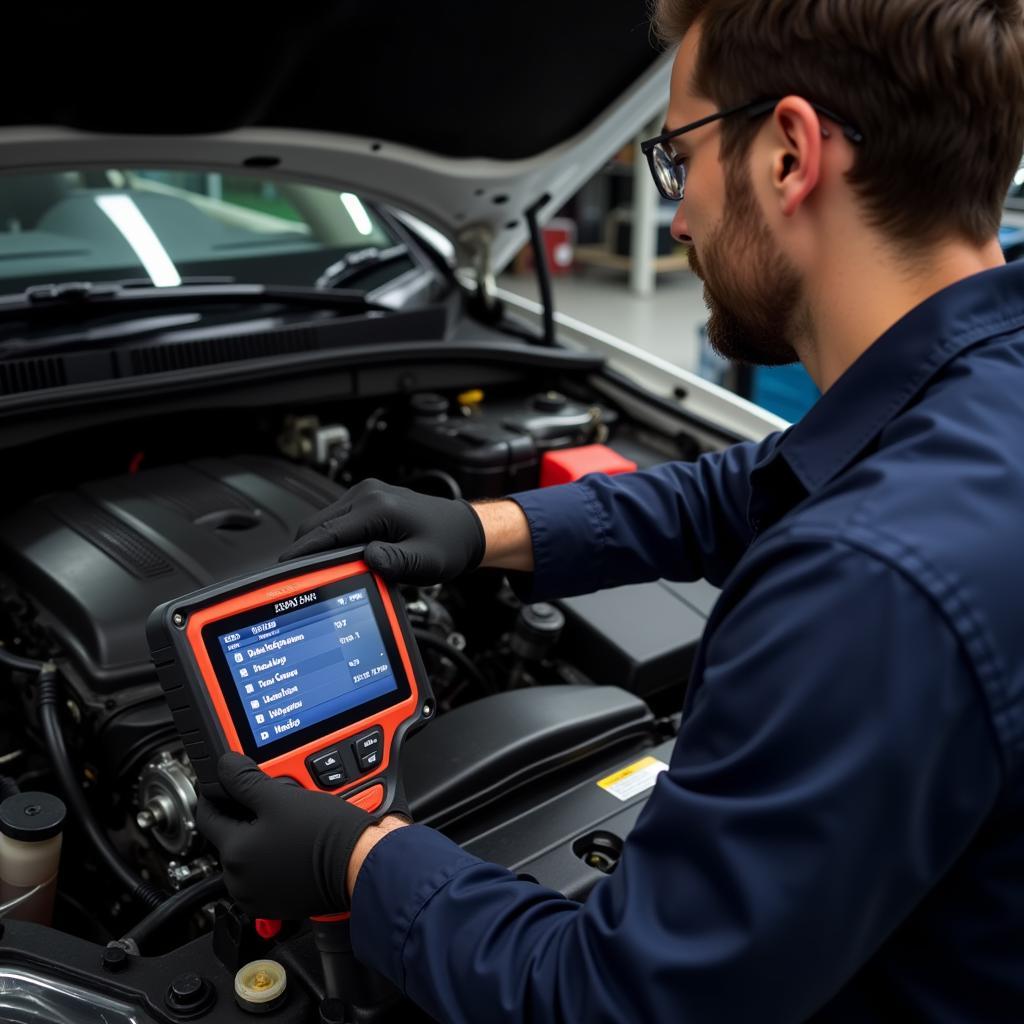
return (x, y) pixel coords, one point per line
(634, 778)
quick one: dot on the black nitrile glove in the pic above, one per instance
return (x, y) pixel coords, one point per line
(409, 537)
(284, 849)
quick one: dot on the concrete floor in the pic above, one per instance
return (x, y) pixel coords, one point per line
(665, 323)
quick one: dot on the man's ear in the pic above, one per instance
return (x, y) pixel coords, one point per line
(796, 158)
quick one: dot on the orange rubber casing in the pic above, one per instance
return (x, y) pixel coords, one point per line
(369, 791)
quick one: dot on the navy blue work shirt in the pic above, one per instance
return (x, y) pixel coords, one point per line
(840, 834)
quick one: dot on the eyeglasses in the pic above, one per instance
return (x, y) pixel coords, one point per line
(669, 171)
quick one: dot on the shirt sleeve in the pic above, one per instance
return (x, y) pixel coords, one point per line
(680, 521)
(834, 763)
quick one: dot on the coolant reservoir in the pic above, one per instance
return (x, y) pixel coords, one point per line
(31, 830)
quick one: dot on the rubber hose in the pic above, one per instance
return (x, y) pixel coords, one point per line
(48, 696)
(180, 903)
(426, 639)
(20, 663)
(195, 896)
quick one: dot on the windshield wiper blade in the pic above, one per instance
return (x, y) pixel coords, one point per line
(357, 262)
(105, 297)
(74, 291)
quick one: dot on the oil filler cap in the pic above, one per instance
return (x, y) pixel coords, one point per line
(261, 986)
(427, 406)
(550, 401)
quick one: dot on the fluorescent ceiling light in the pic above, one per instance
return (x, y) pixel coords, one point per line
(128, 219)
(358, 213)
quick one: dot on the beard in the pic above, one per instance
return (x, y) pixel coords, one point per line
(753, 292)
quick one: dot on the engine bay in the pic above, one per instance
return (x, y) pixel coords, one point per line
(535, 701)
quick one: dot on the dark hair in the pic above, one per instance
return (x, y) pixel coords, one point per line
(935, 86)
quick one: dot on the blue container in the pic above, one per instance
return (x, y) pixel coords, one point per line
(787, 391)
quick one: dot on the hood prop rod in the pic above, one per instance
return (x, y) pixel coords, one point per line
(540, 261)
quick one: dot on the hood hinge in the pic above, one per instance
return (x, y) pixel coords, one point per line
(473, 261)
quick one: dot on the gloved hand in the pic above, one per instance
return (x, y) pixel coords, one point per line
(409, 537)
(284, 849)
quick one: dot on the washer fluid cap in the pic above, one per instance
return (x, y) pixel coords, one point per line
(32, 817)
(543, 617)
(260, 985)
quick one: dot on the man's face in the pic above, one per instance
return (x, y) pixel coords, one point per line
(752, 290)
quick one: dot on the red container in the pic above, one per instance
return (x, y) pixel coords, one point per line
(568, 464)
(560, 244)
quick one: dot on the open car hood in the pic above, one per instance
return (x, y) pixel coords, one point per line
(464, 114)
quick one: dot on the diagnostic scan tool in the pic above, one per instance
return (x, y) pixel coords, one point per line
(309, 668)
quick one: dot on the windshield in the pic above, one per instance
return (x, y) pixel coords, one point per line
(165, 226)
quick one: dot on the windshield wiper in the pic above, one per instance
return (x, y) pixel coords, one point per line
(357, 262)
(76, 297)
(73, 291)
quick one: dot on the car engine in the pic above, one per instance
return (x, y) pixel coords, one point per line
(82, 565)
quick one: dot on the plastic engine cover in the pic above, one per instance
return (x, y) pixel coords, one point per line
(97, 560)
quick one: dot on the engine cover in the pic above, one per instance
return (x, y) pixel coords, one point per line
(95, 561)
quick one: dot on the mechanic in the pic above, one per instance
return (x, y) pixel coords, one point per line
(840, 834)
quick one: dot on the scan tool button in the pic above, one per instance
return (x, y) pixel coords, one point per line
(369, 760)
(367, 749)
(331, 780)
(328, 760)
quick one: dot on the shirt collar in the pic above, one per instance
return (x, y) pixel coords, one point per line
(896, 368)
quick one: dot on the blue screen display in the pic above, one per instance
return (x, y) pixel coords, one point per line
(302, 667)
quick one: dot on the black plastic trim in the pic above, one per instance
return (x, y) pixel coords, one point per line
(481, 752)
(300, 365)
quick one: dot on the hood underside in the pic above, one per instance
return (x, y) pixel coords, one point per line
(463, 113)
(459, 78)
